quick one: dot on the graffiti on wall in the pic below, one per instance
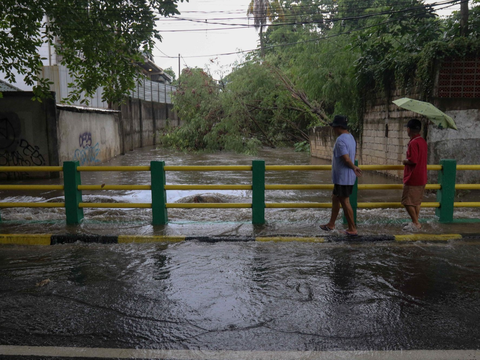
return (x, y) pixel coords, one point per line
(85, 140)
(86, 154)
(15, 150)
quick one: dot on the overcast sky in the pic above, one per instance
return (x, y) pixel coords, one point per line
(207, 30)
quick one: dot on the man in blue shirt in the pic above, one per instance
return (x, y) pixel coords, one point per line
(344, 173)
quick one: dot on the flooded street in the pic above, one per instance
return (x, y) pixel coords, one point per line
(243, 297)
(234, 300)
(218, 221)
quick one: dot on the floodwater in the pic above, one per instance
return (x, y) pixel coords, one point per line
(219, 221)
(243, 296)
(259, 300)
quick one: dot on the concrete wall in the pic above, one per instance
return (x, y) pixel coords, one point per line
(88, 136)
(462, 145)
(27, 133)
(41, 134)
(141, 121)
(384, 139)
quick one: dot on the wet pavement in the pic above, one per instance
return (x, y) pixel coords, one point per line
(237, 297)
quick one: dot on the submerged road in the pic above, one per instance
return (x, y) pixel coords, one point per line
(246, 300)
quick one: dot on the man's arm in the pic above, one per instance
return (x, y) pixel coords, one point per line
(346, 159)
(408, 162)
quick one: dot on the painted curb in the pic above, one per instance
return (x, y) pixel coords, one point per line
(49, 239)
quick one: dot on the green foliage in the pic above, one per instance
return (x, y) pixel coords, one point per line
(197, 104)
(169, 71)
(100, 41)
(322, 57)
(303, 146)
(253, 108)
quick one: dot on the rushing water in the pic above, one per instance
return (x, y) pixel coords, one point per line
(217, 221)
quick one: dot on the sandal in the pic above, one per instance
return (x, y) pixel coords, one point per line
(325, 228)
(350, 233)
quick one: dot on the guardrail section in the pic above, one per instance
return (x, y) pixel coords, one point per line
(74, 204)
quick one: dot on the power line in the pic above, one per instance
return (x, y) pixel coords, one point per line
(331, 20)
(299, 42)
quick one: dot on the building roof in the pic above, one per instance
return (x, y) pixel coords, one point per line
(4, 86)
(151, 69)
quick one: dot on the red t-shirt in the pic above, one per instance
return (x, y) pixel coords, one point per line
(416, 175)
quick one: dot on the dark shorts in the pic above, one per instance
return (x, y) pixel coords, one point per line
(342, 190)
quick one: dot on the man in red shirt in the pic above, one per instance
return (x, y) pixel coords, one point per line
(415, 172)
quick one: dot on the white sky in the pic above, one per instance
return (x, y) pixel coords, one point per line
(200, 43)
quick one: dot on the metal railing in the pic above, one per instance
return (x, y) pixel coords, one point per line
(74, 204)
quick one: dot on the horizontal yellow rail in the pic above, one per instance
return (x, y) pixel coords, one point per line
(233, 187)
(394, 186)
(466, 204)
(380, 205)
(208, 205)
(114, 205)
(468, 167)
(113, 168)
(216, 168)
(329, 167)
(395, 167)
(208, 187)
(114, 187)
(297, 205)
(467, 186)
(30, 168)
(297, 167)
(31, 187)
(299, 187)
(31, 205)
(209, 168)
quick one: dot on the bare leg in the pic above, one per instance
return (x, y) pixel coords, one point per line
(348, 211)
(335, 211)
(414, 211)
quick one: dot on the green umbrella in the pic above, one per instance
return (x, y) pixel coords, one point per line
(439, 118)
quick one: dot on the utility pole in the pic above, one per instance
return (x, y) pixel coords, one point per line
(179, 69)
(464, 18)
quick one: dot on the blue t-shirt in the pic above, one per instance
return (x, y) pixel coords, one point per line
(341, 173)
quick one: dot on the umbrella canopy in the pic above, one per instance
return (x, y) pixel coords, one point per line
(426, 109)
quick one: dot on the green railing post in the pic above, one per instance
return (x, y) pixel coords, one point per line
(159, 195)
(258, 192)
(73, 196)
(353, 200)
(446, 195)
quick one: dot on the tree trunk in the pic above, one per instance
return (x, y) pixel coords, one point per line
(464, 18)
(262, 45)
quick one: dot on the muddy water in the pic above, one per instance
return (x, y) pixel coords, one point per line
(218, 221)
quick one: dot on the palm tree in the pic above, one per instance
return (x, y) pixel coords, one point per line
(263, 10)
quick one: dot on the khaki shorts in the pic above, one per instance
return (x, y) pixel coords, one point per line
(412, 195)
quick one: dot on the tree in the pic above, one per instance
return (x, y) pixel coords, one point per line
(100, 41)
(169, 71)
(263, 10)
